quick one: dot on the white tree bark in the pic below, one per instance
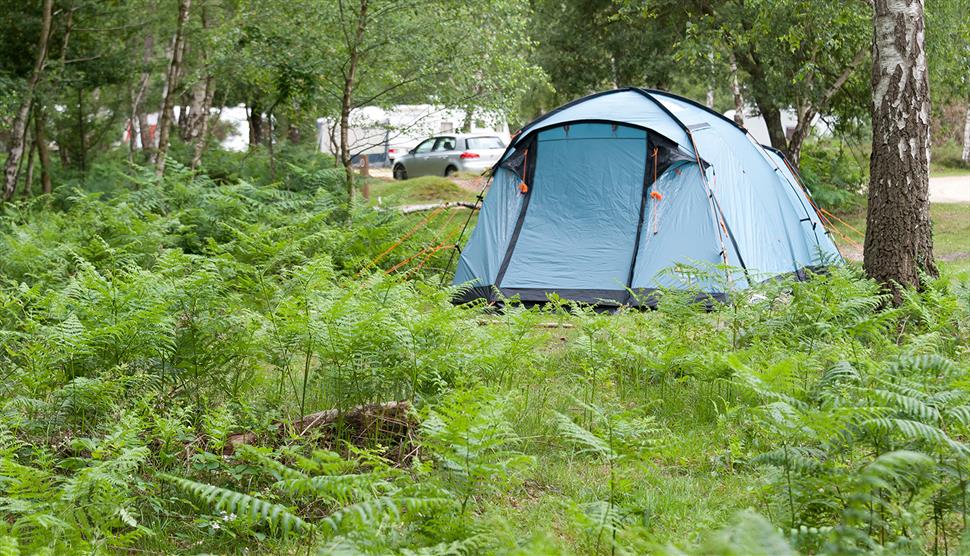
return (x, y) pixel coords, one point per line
(736, 91)
(171, 84)
(137, 121)
(15, 149)
(965, 157)
(202, 94)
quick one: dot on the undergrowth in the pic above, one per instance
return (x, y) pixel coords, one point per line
(145, 324)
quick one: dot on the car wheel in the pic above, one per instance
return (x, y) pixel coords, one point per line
(399, 172)
(450, 171)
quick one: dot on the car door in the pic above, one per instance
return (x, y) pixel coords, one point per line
(438, 160)
(419, 164)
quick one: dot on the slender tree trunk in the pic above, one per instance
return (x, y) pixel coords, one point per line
(293, 134)
(346, 101)
(269, 146)
(15, 148)
(753, 65)
(965, 157)
(29, 176)
(899, 239)
(132, 126)
(43, 152)
(736, 92)
(138, 115)
(469, 121)
(196, 114)
(801, 133)
(466, 124)
(255, 118)
(81, 133)
(169, 52)
(199, 124)
(186, 106)
(146, 135)
(776, 130)
(202, 132)
(171, 80)
(808, 111)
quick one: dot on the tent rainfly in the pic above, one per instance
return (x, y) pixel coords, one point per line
(618, 194)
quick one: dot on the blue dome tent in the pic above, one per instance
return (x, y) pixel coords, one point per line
(615, 195)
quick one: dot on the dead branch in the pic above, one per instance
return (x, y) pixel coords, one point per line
(410, 209)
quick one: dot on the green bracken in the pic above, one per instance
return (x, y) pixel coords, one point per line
(144, 325)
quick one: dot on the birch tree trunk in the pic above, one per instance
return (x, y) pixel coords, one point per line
(138, 117)
(965, 157)
(29, 175)
(196, 112)
(15, 149)
(346, 101)
(201, 132)
(899, 240)
(171, 84)
(201, 102)
(43, 152)
(736, 92)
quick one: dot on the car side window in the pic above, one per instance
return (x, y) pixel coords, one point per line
(425, 146)
(445, 144)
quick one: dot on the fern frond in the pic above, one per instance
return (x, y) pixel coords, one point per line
(894, 468)
(340, 489)
(586, 440)
(279, 470)
(800, 459)
(475, 544)
(372, 511)
(917, 431)
(907, 404)
(960, 414)
(276, 516)
(9, 546)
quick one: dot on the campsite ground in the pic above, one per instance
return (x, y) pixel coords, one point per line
(951, 235)
(951, 219)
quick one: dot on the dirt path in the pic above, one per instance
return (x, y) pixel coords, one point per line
(950, 189)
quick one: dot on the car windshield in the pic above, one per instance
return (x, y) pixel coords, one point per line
(485, 143)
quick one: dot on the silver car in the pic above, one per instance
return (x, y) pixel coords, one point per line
(445, 155)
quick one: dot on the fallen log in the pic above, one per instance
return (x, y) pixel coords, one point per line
(411, 209)
(363, 415)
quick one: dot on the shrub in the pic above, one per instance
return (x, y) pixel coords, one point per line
(835, 178)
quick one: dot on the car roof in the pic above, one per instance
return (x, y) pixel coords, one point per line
(466, 135)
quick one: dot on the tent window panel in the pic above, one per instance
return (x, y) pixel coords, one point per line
(678, 246)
